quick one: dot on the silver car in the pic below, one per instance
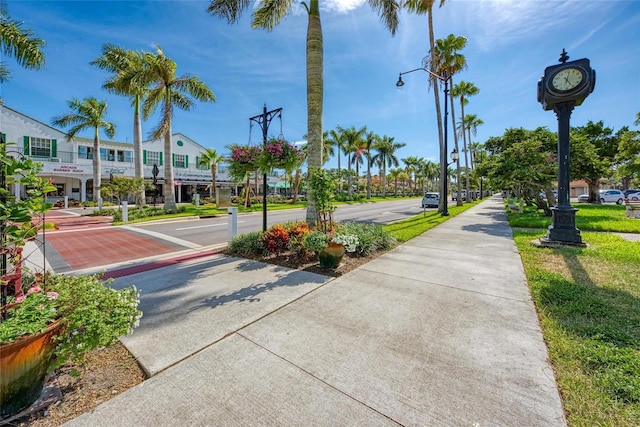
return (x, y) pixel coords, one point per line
(430, 200)
(606, 196)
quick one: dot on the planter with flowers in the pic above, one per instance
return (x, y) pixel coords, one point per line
(47, 319)
(279, 154)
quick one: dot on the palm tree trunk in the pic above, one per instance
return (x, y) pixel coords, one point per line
(169, 189)
(314, 99)
(137, 151)
(455, 141)
(466, 153)
(436, 96)
(368, 179)
(97, 170)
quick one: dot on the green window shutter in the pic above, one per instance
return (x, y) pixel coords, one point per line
(160, 158)
(173, 159)
(144, 157)
(186, 161)
(3, 138)
(197, 162)
(26, 145)
(54, 148)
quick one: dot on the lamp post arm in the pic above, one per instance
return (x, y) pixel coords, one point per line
(443, 78)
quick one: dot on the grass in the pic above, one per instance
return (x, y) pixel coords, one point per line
(409, 228)
(588, 301)
(588, 217)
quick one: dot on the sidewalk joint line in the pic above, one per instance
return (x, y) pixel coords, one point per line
(320, 379)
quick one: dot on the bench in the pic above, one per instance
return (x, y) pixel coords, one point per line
(633, 208)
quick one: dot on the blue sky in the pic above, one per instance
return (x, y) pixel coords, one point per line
(509, 45)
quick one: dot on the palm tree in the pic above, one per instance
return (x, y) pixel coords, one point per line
(463, 90)
(370, 141)
(352, 140)
(210, 158)
(385, 156)
(395, 174)
(449, 62)
(471, 123)
(267, 15)
(20, 43)
(169, 91)
(411, 166)
(127, 66)
(421, 7)
(335, 139)
(88, 114)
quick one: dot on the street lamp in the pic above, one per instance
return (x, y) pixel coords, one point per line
(263, 120)
(443, 160)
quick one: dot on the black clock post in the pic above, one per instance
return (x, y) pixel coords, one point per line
(561, 89)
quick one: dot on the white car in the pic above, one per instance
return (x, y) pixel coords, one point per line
(431, 200)
(634, 197)
(606, 196)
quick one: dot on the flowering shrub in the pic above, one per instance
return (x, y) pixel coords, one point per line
(279, 154)
(275, 239)
(349, 241)
(92, 314)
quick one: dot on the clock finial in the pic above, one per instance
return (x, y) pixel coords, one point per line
(563, 56)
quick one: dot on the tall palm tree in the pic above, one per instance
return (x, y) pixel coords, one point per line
(370, 141)
(421, 7)
(169, 91)
(335, 139)
(463, 91)
(386, 156)
(267, 15)
(18, 42)
(472, 121)
(411, 166)
(127, 66)
(210, 158)
(352, 139)
(88, 114)
(394, 174)
(449, 62)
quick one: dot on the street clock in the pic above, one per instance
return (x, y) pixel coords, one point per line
(569, 81)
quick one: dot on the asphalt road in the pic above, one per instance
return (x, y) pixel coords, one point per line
(212, 231)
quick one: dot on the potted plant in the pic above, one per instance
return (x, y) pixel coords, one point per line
(46, 319)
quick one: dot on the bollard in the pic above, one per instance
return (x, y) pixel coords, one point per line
(196, 197)
(125, 211)
(66, 202)
(233, 222)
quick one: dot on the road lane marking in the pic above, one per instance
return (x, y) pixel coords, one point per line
(205, 226)
(175, 240)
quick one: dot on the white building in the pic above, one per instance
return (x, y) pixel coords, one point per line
(70, 167)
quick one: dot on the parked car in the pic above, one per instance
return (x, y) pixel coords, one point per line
(463, 195)
(606, 196)
(431, 200)
(634, 197)
(629, 191)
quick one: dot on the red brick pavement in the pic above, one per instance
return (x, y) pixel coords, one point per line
(85, 241)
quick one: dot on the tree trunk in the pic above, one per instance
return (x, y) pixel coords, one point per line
(169, 189)
(314, 100)
(137, 151)
(97, 170)
(436, 96)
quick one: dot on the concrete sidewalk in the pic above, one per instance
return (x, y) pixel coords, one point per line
(440, 331)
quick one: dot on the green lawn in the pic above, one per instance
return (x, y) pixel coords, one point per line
(588, 301)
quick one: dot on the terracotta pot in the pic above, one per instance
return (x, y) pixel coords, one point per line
(24, 364)
(331, 256)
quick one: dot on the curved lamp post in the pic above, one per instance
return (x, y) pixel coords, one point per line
(443, 160)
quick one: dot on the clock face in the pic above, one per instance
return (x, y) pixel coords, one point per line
(566, 79)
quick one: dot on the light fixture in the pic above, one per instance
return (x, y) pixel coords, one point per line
(400, 83)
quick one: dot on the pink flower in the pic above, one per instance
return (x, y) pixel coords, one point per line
(34, 289)
(52, 295)
(41, 307)
(20, 299)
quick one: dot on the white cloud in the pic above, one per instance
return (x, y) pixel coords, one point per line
(343, 6)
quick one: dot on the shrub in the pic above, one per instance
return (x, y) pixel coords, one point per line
(315, 241)
(275, 239)
(297, 231)
(247, 244)
(371, 237)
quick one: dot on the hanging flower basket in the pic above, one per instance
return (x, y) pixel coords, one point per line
(279, 154)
